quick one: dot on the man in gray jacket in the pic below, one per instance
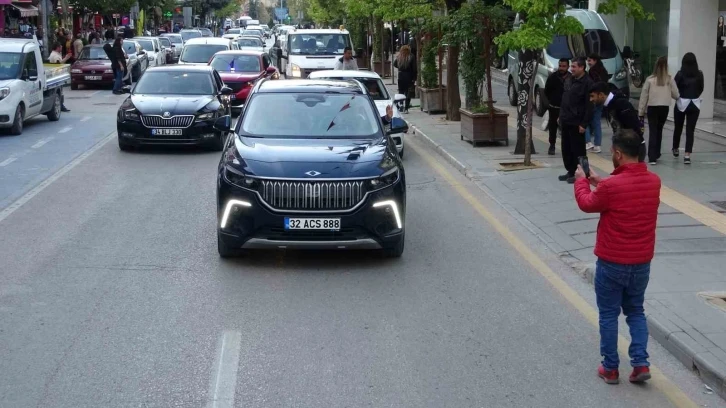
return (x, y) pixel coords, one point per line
(346, 62)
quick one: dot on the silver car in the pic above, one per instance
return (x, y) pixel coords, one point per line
(177, 45)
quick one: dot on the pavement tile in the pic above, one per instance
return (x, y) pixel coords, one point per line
(717, 338)
(562, 238)
(687, 232)
(579, 226)
(584, 255)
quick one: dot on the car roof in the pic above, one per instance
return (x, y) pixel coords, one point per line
(208, 40)
(241, 52)
(189, 29)
(318, 31)
(169, 35)
(344, 74)
(250, 37)
(181, 68)
(311, 86)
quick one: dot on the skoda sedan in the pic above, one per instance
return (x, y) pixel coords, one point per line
(324, 174)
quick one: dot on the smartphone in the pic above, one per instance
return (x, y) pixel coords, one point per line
(585, 164)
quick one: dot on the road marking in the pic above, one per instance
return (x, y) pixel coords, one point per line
(659, 380)
(93, 93)
(41, 142)
(85, 118)
(680, 202)
(65, 129)
(226, 364)
(5, 213)
(7, 161)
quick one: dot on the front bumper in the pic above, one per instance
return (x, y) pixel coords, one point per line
(81, 79)
(245, 221)
(135, 133)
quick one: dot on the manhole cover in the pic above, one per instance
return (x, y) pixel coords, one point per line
(105, 104)
(720, 204)
(717, 299)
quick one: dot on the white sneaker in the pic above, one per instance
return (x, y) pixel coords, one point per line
(596, 149)
(589, 146)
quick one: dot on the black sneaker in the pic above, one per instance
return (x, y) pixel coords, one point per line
(551, 150)
(571, 180)
(64, 109)
(675, 152)
(686, 160)
(564, 177)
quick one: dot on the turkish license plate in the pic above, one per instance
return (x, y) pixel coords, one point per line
(93, 78)
(166, 132)
(327, 224)
(233, 97)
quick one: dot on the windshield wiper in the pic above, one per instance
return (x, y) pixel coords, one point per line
(345, 107)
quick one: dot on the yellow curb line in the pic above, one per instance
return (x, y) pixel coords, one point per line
(659, 380)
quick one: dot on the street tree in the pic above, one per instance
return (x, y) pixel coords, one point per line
(540, 22)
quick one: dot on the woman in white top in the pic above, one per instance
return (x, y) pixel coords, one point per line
(690, 86)
(656, 96)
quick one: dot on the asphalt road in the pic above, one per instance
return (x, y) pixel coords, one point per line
(112, 295)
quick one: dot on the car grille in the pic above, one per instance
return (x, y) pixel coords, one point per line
(156, 121)
(312, 195)
(281, 234)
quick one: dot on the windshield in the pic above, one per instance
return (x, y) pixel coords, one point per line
(318, 44)
(234, 31)
(176, 39)
(308, 115)
(249, 42)
(165, 42)
(201, 53)
(592, 41)
(206, 32)
(256, 33)
(9, 65)
(375, 86)
(93, 53)
(236, 63)
(174, 83)
(129, 47)
(148, 45)
(188, 35)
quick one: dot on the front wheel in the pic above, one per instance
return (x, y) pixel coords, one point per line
(512, 93)
(539, 104)
(17, 127)
(55, 113)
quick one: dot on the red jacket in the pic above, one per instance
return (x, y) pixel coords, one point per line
(628, 203)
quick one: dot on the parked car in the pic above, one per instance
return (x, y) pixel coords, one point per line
(240, 70)
(168, 48)
(199, 51)
(94, 68)
(206, 32)
(154, 52)
(138, 60)
(177, 45)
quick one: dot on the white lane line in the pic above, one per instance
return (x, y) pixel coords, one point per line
(65, 129)
(85, 118)
(41, 142)
(226, 364)
(7, 161)
(5, 213)
(93, 93)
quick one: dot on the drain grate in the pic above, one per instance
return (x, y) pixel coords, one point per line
(719, 204)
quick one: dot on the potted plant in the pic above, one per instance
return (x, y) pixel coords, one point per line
(431, 92)
(472, 28)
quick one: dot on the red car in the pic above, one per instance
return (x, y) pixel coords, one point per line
(92, 68)
(240, 70)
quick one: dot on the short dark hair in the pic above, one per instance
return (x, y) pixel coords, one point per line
(347, 49)
(580, 61)
(628, 141)
(600, 87)
(594, 56)
(565, 60)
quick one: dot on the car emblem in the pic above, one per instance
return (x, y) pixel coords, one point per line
(313, 173)
(93, 72)
(166, 115)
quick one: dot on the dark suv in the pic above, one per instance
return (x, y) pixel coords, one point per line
(322, 174)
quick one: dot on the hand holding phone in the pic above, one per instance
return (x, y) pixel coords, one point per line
(585, 164)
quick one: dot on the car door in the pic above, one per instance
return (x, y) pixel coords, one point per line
(160, 54)
(32, 85)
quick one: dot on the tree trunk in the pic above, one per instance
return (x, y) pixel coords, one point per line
(525, 78)
(453, 97)
(528, 146)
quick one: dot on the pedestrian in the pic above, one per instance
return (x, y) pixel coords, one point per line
(554, 88)
(621, 113)
(406, 65)
(658, 90)
(593, 134)
(109, 34)
(627, 202)
(117, 56)
(56, 57)
(575, 115)
(346, 62)
(689, 81)
(77, 46)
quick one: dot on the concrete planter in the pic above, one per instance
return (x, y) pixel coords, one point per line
(431, 99)
(481, 127)
(378, 70)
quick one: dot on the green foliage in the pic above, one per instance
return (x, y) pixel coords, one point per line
(633, 8)
(229, 10)
(429, 54)
(107, 6)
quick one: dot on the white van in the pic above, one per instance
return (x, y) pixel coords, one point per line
(306, 51)
(199, 51)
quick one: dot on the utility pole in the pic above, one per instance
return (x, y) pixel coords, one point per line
(46, 9)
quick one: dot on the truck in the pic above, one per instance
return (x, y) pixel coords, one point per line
(28, 87)
(307, 50)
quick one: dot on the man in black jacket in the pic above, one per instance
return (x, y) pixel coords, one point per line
(575, 116)
(554, 88)
(621, 113)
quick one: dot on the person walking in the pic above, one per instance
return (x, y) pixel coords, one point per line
(658, 90)
(406, 65)
(575, 116)
(346, 62)
(554, 88)
(689, 81)
(627, 202)
(621, 113)
(593, 134)
(117, 56)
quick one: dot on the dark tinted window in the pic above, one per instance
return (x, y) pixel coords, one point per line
(10, 64)
(236, 63)
(200, 53)
(188, 35)
(175, 83)
(148, 45)
(249, 42)
(597, 41)
(165, 42)
(311, 44)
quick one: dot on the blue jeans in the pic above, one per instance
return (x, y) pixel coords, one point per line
(118, 79)
(595, 127)
(622, 286)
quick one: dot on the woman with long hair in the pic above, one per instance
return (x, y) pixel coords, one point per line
(689, 81)
(406, 65)
(118, 64)
(658, 90)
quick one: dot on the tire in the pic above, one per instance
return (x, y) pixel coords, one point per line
(512, 93)
(125, 147)
(74, 86)
(17, 127)
(55, 113)
(400, 154)
(397, 250)
(225, 250)
(539, 102)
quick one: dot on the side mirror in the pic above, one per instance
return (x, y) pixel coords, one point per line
(398, 125)
(264, 45)
(627, 52)
(271, 70)
(399, 97)
(142, 52)
(226, 90)
(223, 124)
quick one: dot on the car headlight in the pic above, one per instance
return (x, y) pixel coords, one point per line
(205, 116)
(132, 115)
(385, 180)
(621, 74)
(239, 179)
(4, 92)
(76, 71)
(296, 71)
(108, 71)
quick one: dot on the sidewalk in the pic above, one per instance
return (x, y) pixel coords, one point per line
(690, 249)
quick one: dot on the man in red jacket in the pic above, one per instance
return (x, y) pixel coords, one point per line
(628, 203)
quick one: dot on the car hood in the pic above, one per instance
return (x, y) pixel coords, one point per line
(100, 64)
(261, 49)
(332, 158)
(174, 104)
(239, 77)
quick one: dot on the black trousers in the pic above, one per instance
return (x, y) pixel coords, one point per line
(552, 124)
(690, 117)
(405, 81)
(573, 146)
(657, 117)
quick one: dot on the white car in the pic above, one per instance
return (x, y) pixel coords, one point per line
(376, 89)
(157, 57)
(199, 51)
(177, 44)
(250, 43)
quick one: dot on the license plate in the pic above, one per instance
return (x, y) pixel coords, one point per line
(327, 224)
(166, 132)
(93, 78)
(233, 97)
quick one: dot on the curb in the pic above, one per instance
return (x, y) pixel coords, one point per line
(688, 351)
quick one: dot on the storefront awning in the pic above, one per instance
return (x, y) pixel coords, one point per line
(5, 2)
(26, 10)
